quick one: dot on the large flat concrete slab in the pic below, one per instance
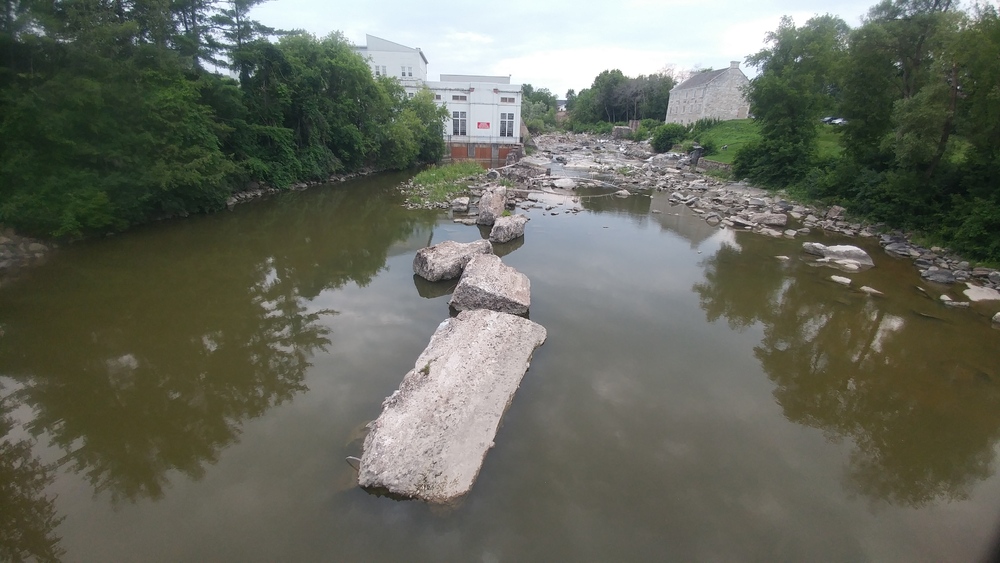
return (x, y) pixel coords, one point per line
(434, 431)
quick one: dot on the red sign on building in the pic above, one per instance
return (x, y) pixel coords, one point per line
(482, 125)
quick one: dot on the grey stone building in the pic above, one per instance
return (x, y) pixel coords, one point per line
(714, 94)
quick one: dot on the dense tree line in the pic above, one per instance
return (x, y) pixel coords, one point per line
(917, 83)
(616, 98)
(112, 112)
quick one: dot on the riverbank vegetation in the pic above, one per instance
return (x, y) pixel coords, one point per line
(616, 98)
(439, 184)
(113, 114)
(917, 87)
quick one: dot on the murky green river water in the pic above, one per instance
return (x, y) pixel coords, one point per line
(194, 388)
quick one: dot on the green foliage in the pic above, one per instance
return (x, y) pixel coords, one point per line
(918, 86)
(442, 183)
(116, 124)
(538, 109)
(614, 97)
(667, 135)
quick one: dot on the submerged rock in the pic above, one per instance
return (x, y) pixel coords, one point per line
(841, 280)
(839, 253)
(488, 283)
(446, 260)
(937, 275)
(434, 431)
(506, 229)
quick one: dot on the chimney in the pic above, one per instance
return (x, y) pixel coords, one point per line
(734, 64)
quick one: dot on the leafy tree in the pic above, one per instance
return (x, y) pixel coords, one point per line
(798, 73)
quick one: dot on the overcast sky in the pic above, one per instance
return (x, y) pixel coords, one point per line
(559, 44)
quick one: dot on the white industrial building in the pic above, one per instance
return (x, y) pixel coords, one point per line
(484, 111)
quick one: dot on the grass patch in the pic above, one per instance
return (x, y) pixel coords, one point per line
(735, 133)
(738, 132)
(440, 183)
(828, 141)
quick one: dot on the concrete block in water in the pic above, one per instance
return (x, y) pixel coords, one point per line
(434, 431)
(447, 259)
(487, 283)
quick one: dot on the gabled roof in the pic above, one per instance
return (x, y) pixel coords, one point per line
(379, 44)
(700, 79)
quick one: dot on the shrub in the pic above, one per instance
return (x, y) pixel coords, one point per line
(667, 135)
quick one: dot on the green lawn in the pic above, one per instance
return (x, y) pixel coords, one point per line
(739, 132)
(735, 133)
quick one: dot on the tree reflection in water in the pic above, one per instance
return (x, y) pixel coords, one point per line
(28, 518)
(142, 357)
(917, 396)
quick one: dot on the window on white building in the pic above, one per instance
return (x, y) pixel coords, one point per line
(409, 71)
(506, 124)
(377, 71)
(458, 122)
(384, 71)
(506, 100)
(409, 94)
(459, 98)
(437, 96)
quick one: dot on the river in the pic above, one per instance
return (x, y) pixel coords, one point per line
(189, 391)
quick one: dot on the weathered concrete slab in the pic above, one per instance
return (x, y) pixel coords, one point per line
(434, 431)
(491, 204)
(446, 260)
(487, 283)
(506, 229)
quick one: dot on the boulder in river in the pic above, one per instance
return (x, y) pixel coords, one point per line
(488, 283)
(506, 229)
(564, 183)
(447, 259)
(434, 431)
(460, 204)
(839, 253)
(491, 204)
(938, 275)
(622, 193)
(772, 219)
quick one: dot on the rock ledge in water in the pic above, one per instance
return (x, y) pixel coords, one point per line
(434, 431)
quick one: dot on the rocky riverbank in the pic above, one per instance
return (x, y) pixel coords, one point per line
(17, 252)
(565, 162)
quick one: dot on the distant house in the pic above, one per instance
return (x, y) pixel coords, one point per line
(715, 94)
(484, 111)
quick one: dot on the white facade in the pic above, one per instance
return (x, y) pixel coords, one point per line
(480, 112)
(484, 111)
(386, 58)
